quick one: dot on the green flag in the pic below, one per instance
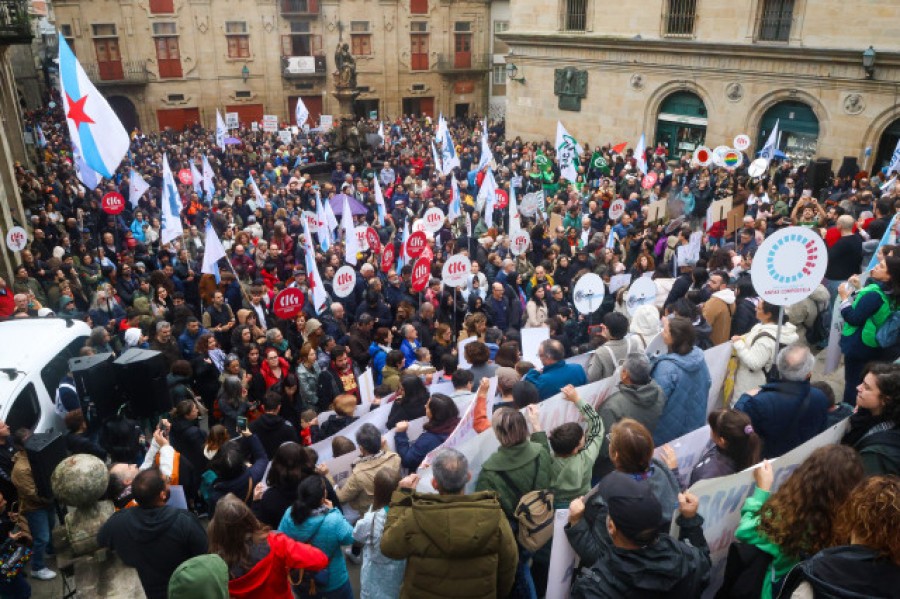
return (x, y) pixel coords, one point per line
(599, 162)
(542, 161)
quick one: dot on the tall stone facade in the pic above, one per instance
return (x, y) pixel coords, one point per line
(173, 62)
(691, 72)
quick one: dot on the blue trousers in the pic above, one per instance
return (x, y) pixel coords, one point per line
(41, 522)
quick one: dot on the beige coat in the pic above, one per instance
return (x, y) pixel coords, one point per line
(359, 489)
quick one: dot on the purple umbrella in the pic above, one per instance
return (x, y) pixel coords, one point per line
(230, 141)
(337, 205)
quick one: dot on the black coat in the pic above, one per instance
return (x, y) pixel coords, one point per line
(273, 430)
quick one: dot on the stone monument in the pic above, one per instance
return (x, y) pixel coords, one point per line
(570, 84)
(81, 481)
(349, 143)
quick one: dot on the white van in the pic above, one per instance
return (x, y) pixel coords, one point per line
(34, 357)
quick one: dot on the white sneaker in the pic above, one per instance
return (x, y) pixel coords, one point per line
(356, 559)
(44, 574)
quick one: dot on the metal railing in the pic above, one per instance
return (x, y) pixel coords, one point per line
(774, 21)
(458, 62)
(303, 66)
(117, 73)
(15, 23)
(679, 18)
(575, 16)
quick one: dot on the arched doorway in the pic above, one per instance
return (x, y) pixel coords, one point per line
(886, 146)
(125, 110)
(798, 130)
(681, 123)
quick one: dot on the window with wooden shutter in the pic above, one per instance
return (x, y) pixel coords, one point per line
(162, 7)
(418, 7)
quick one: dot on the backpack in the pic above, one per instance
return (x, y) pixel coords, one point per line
(746, 567)
(534, 514)
(888, 334)
(311, 584)
(818, 332)
(772, 374)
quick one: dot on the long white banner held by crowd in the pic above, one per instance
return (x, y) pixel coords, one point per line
(720, 500)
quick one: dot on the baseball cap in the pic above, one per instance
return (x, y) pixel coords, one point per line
(632, 506)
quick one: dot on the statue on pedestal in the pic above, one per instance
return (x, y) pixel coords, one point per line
(81, 481)
(346, 66)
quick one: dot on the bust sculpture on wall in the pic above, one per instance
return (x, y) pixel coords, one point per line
(570, 84)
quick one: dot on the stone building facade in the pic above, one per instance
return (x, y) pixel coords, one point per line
(173, 62)
(691, 72)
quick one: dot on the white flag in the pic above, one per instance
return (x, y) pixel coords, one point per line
(322, 231)
(196, 180)
(301, 113)
(567, 151)
(213, 252)
(209, 179)
(220, 131)
(488, 194)
(379, 202)
(171, 206)
(85, 173)
(513, 211)
(137, 187)
(640, 155)
(330, 218)
(260, 199)
(768, 151)
(436, 158)
(455, 204)
(316, 290)
(895, 160)
(449, 159)
(351, 243)
(486, 155)
(381, 133)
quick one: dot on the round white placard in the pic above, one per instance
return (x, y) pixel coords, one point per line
(588, 293)
(789, 265)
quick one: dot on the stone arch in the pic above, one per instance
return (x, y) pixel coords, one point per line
(763, 104)
(874, 132)
(659, 95)
(126, 111)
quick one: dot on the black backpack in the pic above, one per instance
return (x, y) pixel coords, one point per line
(746, 567)
(818, 332)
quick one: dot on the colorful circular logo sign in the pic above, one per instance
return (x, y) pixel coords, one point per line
(732, 159)
(502, 199)
(373, 240)
(184, 175)
(387, 257)
(415, 245)
(113, 203)
(789, 265)
(741, 142)
(649, 180)
(519, 242)
(617, 209)
(421, 273)
(344, 281)
(703, 155)
(16, 239)
(419, 225)
(289, 303)
(456, 271)
(362, 239)
(434, 219)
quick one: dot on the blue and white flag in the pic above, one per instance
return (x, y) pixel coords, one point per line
(895, 160)
(301, 113)
(381, 132)
(486, 155)
(402, 257)
(323, 231)
(93, 126)
(85, 173)
(196, 180)
(449, 159)
(171, 206)
(351, 243)
(213, 252)
(209, 179)
(455, 210)
(42, 141)
(436, 158)
(885, 239)
(379, 202)
(487, 195)
(330, 218)
(640, 155)
(260, 199)
(221, 130)
(137, 187)
(513, 211)
(768, 151)
(317, 294)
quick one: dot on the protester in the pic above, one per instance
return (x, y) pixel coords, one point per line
(38, 511)
(380, 576)
(556, 373)
(443, 418)
(875, 426)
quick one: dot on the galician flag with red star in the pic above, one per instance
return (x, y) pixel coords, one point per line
(93, 126)
(316, 291)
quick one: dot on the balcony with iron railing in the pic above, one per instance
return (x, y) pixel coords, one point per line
(463, 62)
(299, 8)
(117, 73)
(301, 67)
(15, 23)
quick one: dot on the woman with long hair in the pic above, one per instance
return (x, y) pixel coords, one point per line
(734, 446)
(308, 371)
(161, 304)
(232, 402)
(799, 518)
(215, 439)
(188, 440)
(259, 560)
(536, 308)
(875, 426)
(443, 344)
(207, 365)
(313, 519)
(380, 576)
(288, 468)
(755, 350)
(475, 326)
(412, 397)
(443, 417)
(869, 544)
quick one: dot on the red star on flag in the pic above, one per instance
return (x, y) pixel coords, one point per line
(76, 111)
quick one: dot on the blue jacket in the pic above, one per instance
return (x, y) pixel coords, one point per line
(409, 351)
(137, 229)
(774, 409)
(555, 377)
(378, 359)
(186, 342)
(412, 455)
(685, 381)
(333, 531)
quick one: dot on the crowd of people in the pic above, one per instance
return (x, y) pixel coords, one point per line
(252, 393)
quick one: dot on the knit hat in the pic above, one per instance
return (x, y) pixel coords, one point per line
(633, 507)
(645, 321)
(507, 377)
(201, 577)
(312, 325)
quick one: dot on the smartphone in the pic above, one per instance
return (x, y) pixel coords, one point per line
(241, 422)
(162, 430)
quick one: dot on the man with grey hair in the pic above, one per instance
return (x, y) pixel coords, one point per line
(788, 412)
(637, 396)
(164, 342)
(481, 560)
(555, 374)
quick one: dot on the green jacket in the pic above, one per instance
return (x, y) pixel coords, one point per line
(748, 533)
(571, 475)
(455, 545)
(874, 322)
(528, 467)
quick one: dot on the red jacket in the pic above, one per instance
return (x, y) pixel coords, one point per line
(269, 376)
(7, 305)
(269, 577)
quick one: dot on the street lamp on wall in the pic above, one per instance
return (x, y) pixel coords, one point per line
(511, 71)
(245, 73)
(868, 60)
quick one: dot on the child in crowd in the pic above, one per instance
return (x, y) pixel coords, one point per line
(380, 577)
(341, 445)
(308, 420)
(344, 409)
(839, 409)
